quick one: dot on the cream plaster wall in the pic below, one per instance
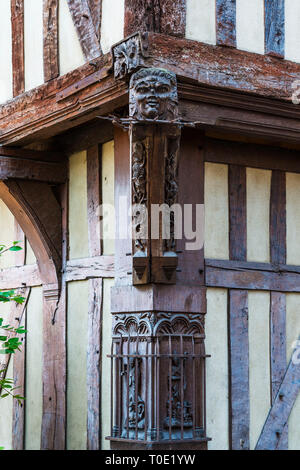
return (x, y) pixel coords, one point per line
(78, 225)
(250, 25)
(112, 24)
(70, 52)
(258, 214)
(292, 31)
(217, 369)
(201, 20)
(34, 370)
(5, 52)
(293, 218)
(6, 404)
(108, 179)
(7, 235)
(259, 361)
(76, 365)
(33, 43)
(216, 238)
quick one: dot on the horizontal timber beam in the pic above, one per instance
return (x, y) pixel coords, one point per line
(21, 276)
(88, 268)
(257, 83)
(252, 276)
(32, 170)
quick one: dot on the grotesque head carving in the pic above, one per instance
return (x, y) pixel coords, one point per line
(153, 94)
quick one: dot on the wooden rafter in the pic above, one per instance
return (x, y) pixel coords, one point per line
(84, 23)
(32, 170)
(50, 34)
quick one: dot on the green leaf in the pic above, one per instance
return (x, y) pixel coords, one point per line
(15, 248)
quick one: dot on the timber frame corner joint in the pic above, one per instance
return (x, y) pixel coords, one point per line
(154, 146)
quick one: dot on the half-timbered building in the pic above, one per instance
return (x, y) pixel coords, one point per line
(145, 342)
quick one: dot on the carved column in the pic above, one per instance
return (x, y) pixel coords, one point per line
(158, 353)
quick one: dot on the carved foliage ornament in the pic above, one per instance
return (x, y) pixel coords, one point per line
(129, 55)
(153, 95)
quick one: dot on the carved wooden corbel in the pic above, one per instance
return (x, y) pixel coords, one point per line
(129, 55)
(155, 140)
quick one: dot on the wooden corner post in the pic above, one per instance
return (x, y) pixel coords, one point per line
(158, 352)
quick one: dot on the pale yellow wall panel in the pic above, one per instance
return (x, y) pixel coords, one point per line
(293, 218)
(112, 23)
(259, 361)
(34, 370)
(106, 364)
(292, 334)
(201, 20)
(250, 25)
(6, 416)
(70, 52)
(33, 43)
(216, 239)
(78, 222)
(217, 369)
(30, 256)
(258, 214)
(108, 197)
(5, 52)
(77, 356)
(292, 30)
(7, 235)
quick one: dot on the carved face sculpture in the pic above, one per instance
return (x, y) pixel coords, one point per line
(153, 94)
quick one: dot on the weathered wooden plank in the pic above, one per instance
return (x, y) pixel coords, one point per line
(18, 56)
(88, 268)
(96, 13)
(18, 425)
(50, 35)
(239, 404)
(278, 218)
(280, 411)
(24, 154)
(226, 22)
(252, 155)
(278, 351)
(94, 361)
(160, 16)
(191, 191)
(12, 278)
(252, 280)
(237, 213)
(85, 28)
(94, 200)
(32, 170)
(274, 27)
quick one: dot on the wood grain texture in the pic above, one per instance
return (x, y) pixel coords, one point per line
(94, 361)
(278, 218)
(84, 24)
(12, 278)
(160, 16)
(32, 170)
(190, 191)
(88, 268)
(226, 22)
(237, 213)
(280, 411)
(50, 39)
(278, 351)
(96, 13)
(239, 421)
(274, 27)
(94, 199)
(18, 55)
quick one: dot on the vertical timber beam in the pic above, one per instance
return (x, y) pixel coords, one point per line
(17, 19)
(226, 22)
(238, 315)
(50, 35)
(274, 28)
(159, 16)
(96, 12)
(239, 370)
(278, 299)
(95, 302)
